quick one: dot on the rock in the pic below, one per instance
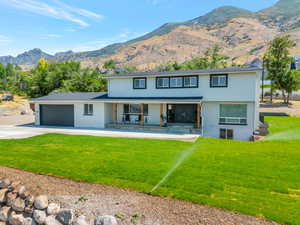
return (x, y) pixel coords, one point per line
(3, 195)
(41, 202)
(39, 216)
(18, 205)
(14, 185)
(25, 194)
(65, 216)
(20, 189)
(28, 210)
(53, 209)
(50, 220)
(2, 223)
(10, 198)
(80, 221)
(29, 221)
(4, 183)
(105, 220)
(29, 200)
(16, 219)
(4, 211)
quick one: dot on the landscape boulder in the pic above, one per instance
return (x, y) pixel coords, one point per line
(4, 213)
(14, 186)
(21, 190)
(65, 216)
(39, 216)
(29, 221)
(18, 205)
(50, 220)
(10, 198)
(16, 219)
(41, 202)
(4, 183)
(53, 209)
(80, 221)
(3, 195)
(29, 200)
(105, 220)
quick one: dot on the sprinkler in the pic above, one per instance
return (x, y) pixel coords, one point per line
(184, 155)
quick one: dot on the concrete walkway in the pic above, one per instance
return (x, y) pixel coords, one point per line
(16, 132)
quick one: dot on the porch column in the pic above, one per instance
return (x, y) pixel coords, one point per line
(198, 109)
(142, 115)
(114, 112)
(160, 115)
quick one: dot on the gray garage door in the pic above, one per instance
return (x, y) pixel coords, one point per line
(57, 115)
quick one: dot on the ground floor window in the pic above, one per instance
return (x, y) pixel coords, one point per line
(226, 133)
(133, 113)
(233, 114)
(88, 109)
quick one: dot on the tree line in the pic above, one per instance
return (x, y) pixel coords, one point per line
(50, 77)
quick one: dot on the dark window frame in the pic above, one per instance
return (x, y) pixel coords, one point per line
(182, 86)
(226, 131)
(139, 78)
(218, 75)
(89, 112)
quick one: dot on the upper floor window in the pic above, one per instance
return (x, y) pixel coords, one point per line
(219, 80)
(191, 81)
(233, 114)
(177, 82)
(88, 109)
(162, 82)
(140, 83)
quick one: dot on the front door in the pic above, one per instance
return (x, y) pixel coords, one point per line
(181, 113)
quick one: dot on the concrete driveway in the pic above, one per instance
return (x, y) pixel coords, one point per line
(24, 131)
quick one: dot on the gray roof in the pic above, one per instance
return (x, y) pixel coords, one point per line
(103, 97)
(71, 96)
(187, 72)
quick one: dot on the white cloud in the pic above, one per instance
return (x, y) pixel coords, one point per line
(4, 39)
(48, 36)
(57, 10)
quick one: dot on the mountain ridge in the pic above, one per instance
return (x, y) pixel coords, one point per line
(283, 17)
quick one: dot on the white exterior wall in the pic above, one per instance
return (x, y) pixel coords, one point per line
(97, 120)
(241, 87)
(100, 115)
(211, 127)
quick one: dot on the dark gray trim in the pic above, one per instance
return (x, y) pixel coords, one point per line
(235, 124)
(169, 77)
(145, 78)
(217, 75)
(188, 72)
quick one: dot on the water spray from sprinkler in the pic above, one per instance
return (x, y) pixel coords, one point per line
(184, 155)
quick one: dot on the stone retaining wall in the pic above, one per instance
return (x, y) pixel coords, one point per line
(19, 207)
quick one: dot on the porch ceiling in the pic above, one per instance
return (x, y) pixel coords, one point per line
(155, 99)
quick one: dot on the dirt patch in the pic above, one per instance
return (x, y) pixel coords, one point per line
(293, 109)
(130, 207)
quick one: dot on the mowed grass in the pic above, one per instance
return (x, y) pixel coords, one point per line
(256, 178)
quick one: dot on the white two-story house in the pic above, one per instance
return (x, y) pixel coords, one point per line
(221, 103)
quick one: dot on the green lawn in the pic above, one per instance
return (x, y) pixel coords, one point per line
(257, 178)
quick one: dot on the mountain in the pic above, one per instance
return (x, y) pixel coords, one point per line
(242, 34)
(26, 58)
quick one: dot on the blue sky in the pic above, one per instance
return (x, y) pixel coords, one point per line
(60, 25)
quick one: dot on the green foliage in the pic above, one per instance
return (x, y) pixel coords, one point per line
(50, 77)
(278, 62)
(111, 64)
(257, 178)
(211, 59)
(84, 81)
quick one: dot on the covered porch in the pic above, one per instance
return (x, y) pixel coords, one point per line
(171, 116)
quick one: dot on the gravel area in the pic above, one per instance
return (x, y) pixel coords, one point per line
(278, 107)
(131, 207)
